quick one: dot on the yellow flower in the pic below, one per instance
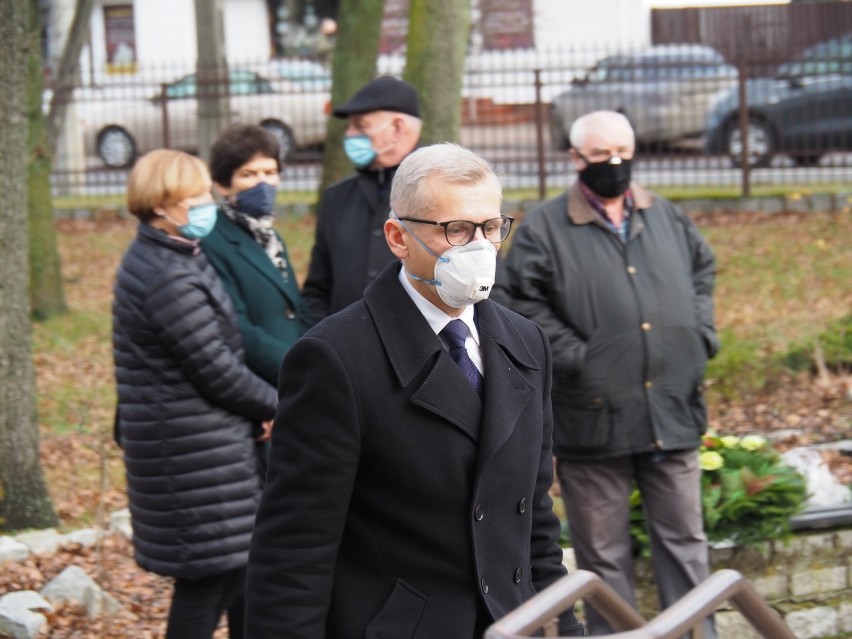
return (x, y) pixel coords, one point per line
(753, 442)
(730, 441)
(710, 460)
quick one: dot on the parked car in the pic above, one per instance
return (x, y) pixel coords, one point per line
(804, 110)
(118, 131)
(663, 90)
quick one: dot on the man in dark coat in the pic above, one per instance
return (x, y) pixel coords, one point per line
(621, 282)
(407, 494)
(349, 247)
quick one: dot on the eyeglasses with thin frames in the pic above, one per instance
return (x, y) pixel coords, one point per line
(461, 232)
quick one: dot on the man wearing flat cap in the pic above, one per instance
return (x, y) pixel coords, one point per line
(349, 247)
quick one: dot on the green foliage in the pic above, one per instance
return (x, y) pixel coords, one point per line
(748, 494)
(835, 343)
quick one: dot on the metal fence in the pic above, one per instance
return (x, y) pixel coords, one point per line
(700, 118)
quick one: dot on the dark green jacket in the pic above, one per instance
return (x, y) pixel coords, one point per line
(270, 310)
(631, 325)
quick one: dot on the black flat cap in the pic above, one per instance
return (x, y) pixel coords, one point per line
(382, 94)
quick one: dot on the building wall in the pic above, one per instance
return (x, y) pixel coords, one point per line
(165, 37)
(584, 25)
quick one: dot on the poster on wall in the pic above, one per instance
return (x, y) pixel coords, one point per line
(507, 24)
(394, 27)
(504, 24)
(120, 38)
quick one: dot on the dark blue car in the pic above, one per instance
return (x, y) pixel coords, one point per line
(805, 110)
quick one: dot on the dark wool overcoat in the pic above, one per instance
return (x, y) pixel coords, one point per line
(349, 249)
(186, 406)
(397, 504)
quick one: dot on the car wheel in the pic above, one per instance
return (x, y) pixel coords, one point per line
(285, 138)
(807, 159)
(116, 147)
(761, 143)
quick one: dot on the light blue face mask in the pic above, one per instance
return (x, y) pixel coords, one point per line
(359, 150)
(200, 221)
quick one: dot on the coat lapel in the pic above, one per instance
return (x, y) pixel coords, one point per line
(507, 391)
(246, 247)
(417, 356)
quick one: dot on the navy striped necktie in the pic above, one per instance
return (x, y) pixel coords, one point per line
(455, 334)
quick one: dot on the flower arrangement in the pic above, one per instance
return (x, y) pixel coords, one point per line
(748, 494)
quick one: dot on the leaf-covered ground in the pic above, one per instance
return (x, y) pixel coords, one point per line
(84, 470)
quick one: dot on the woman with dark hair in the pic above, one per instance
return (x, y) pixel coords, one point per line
(248, 253)
(187, 404)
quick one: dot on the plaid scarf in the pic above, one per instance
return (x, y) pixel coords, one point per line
(263, 233)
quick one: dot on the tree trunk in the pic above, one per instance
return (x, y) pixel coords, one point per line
(353, 65)
(69, 66)
(24, 500)
(47, 297)
(437, 41)
(214, 109)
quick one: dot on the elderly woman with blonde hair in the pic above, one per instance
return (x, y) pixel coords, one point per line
(187, 403)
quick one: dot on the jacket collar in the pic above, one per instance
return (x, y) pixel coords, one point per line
(245, 246)
(149, 233)
(417, 357)
(581, 212)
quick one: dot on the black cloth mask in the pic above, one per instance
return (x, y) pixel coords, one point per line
(610, 178)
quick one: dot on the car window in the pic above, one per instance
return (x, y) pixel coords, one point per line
(183, 88)
(248, 83)
(827, 58)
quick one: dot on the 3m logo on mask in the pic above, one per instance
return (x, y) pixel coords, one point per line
(484, 289)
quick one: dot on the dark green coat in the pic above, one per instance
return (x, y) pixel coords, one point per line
(270, 310)
(630, 324)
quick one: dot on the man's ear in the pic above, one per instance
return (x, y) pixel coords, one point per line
(395, 237)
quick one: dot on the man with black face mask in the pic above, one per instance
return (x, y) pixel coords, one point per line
(621, 281)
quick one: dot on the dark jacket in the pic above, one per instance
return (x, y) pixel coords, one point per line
(397, 504)
(630, 325)
(186, 404)
(270, 311)
(349, 248)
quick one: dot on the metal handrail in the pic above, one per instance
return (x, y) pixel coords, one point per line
(683, 616)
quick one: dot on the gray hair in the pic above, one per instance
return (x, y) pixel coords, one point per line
(446, 161)
(585, 124)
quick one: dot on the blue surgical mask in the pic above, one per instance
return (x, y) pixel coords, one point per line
(359, 149)
(258, 201)
(200, 221)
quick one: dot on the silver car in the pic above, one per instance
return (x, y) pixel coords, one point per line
(663, 90)
(118, 131)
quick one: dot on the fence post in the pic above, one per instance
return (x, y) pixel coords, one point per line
(539, 138)
(745, 165)
(164, 108)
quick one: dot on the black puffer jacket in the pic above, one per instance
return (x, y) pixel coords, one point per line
(186, 405)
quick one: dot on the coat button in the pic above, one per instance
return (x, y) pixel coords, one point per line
(289, 314)
(522, 505)
(649, 384)
(646, 326)
(478, 513)
(631, 270)
(484, 585)
(518, 574)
